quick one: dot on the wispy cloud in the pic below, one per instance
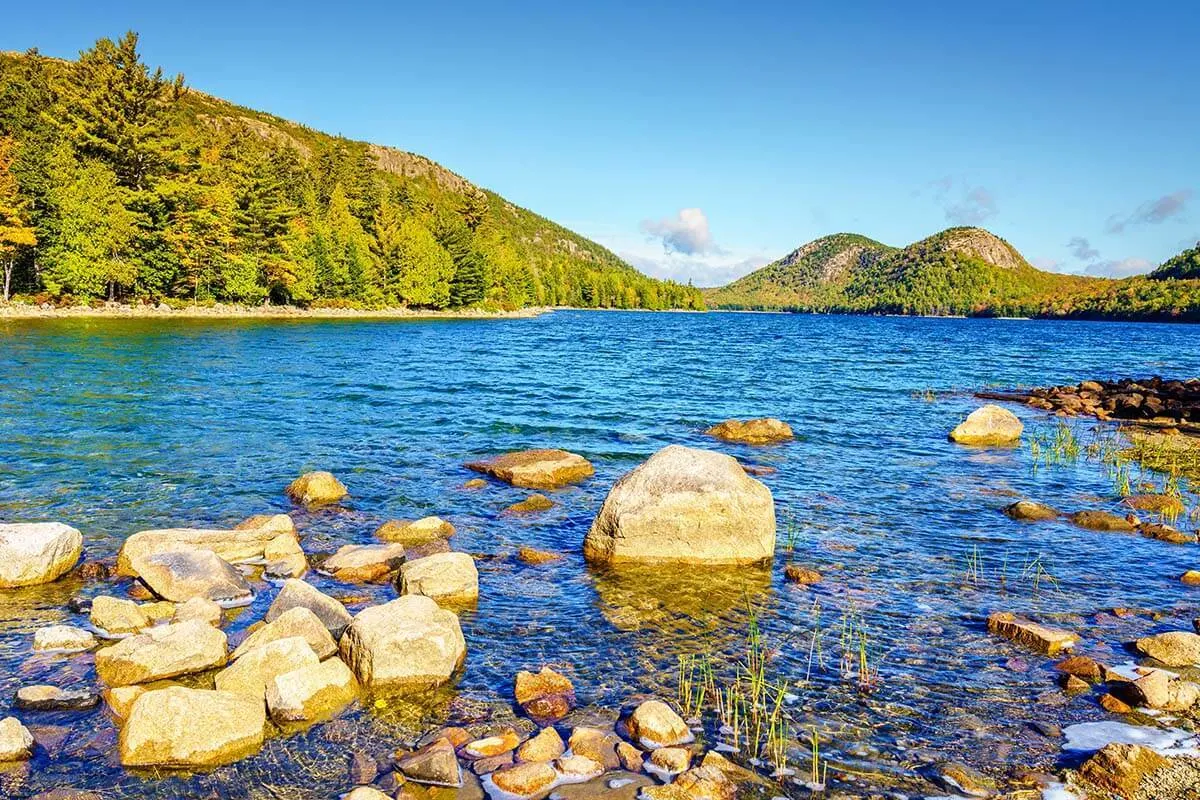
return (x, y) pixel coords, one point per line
(1153, 212)
(1082, 249)
(963, 203)
(700, 271)
(1119, 269)
(687, 232)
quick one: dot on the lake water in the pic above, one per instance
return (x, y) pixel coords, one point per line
(116, 426)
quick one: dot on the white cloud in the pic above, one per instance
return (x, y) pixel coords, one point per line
(1119, 269)
(704, 272)
(687, 232)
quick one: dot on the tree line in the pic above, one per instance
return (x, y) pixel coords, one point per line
(117, 182)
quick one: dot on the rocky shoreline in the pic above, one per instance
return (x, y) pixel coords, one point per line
(1152, 402)
(230, 311)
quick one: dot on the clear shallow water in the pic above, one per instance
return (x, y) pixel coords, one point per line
(118, 426)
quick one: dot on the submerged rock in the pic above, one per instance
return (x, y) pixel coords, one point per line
(752, 431)
(688, 506)
(421, 531)
(299, 621)
(37, 552)
(1103, 521)
(525, 779)
(117, 616)
(1121, 768)
(407, 643)
(43, 697)
(316, 489)
(298, 594)
(545, 696)
(312, 692)
(16, 742)
(654, 724)
(1082, 667)
(1047, 640)
(251, 674)
(435, 764)
(364, 563)
(62, 639)
(534, 557)
(445, 577)
(184, 574)
(237, 546)
(535, 502)
(536, 469)
(961, 778)
(990, 425)
(191, 728)
(162, 652)
(267, 523)
(1174, 649)
(1030, 511)
(802, 575)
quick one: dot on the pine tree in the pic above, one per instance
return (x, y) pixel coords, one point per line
(425, 268)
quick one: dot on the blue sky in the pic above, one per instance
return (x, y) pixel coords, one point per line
(702, 139)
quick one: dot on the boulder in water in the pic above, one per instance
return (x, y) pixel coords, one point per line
(237, 546)
(37, 552)
(688, 506)
(312, 692)
(1030, 511)
(1103, 521)
(296, 593)
(62, 639)
(752, 431)
(16, 742)
(253, 672)
(1044, 639)
(117, 616)
(181, 575)
(446, 577)
(536, 469)
(162, 652)
(407, 643)
(988, 426)
(546, 696)
(299, 621)
(412, 533)
(364, 563)
(654, 724)
(1174, 648)
(191, 728)
(316, 489)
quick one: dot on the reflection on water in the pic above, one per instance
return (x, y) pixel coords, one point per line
(117, 426)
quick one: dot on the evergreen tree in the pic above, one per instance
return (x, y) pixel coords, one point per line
(425, 268)
(15, 232)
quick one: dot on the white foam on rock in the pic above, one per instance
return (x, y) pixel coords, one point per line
(1091, 736)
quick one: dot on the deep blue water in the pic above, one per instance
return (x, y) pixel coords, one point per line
(117, 426)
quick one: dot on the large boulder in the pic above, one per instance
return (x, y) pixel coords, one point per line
(116, 616)
(298, 621)
(685, 505)
(162, 652)
(990, 425)
(37, 552)
(407, 643)
(413, 533)
(253, 672)
(446, 577)
(1122, 768)
(536, 469)
(316, 489)
(284, 558)
(236, 546)
(364, 563)
(267, 523)
(16, 742)
(296, 593)
(752, 431)
(191, 728)
(312, 692)
(181, 575)
(1174, 648)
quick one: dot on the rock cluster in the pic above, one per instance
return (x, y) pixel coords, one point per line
(1167, 402)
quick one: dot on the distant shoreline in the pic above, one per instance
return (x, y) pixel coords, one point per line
(24, 311)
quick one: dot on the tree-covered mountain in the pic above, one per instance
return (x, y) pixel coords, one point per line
(960, 271)
(119, 182)
(1185, 266)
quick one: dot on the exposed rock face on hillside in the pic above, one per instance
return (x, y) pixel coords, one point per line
(982, 244)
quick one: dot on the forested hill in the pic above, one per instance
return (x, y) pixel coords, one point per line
(119, 182)
(959, 271)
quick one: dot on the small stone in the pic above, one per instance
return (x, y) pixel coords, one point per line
(525, 780)
(598, 745)
(52, 698)
(363, 768)
(421, 531)
(365, 793)
(1047, 640)
(200, 609)
(547, 745)
(364, 563)
(535, 502)
(16, 742)
(117, 616)
(577, 769)
(1191, 577)
(504, 742)
(671, 760)
(1081, 667)
(961, 778)
(654, 724)
(630, 756)
(546, 696)
(1072, 684)
(1115, 706)
(445, 577)
(1030, 511)
(486, 766)
(752, 431)
(475, 484)
(801, 575)
(435, 764)
(316, 489)
(62, 639)
(534, 557)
